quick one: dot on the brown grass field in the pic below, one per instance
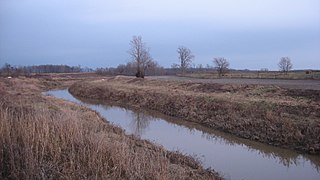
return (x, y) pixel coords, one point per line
(42, 137)
(289, 118)
(307, 74)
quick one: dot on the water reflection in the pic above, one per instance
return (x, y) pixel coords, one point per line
(234, 157)
(139, 122)
(285, 157)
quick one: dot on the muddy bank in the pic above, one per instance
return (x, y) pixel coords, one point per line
(42, 137)
(266, 114)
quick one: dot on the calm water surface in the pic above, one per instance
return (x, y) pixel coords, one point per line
(232, 157)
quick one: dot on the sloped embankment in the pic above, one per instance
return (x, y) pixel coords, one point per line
(263, 113)
(42, 137)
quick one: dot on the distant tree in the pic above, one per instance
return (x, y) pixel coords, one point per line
(185, 57)
(200, 66)
(221, 65)
(175, 66)
(208, 66)
(7, 69)
(153, 68)
(285, 64)
(121, 68)
(140, 55)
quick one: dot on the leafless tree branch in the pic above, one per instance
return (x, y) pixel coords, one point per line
(221, 65)
(185, 57)
(285, 64)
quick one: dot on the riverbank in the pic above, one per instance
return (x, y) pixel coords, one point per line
(268, 114)
(47, 138)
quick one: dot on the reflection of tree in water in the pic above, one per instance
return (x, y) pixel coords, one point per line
(139, 123)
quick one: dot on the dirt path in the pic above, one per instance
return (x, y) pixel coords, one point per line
(290, 84)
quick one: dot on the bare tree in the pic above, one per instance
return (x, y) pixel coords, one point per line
(185, 57)
(139, 54)
(221, 65)
(285, 64)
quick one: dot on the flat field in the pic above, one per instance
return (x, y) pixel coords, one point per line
(297, 74)
(283, 83)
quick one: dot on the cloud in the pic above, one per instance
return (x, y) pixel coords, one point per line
(240, 14)
(228, 13)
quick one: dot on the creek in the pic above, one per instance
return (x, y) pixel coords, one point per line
(230, 156)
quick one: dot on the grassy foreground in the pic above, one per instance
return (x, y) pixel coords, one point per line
(268, 114)
(43, 137)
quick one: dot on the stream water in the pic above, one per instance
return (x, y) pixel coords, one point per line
(232, 157)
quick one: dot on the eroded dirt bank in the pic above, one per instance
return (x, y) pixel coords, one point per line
(269, 114)
(42, 137)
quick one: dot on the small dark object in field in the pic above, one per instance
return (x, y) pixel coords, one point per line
(308, 72)
(139, 74)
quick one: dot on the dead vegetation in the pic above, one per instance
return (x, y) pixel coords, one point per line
(269, 114)
(262, 74)
(46, 138)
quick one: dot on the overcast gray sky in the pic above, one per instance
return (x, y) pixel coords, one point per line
(251, 34)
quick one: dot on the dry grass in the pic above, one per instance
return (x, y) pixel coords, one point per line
(258, 74)
(267, 114)
(46, 138)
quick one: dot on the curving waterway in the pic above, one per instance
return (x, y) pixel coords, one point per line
(232, 157)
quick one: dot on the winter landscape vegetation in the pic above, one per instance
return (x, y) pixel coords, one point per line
(159, 90)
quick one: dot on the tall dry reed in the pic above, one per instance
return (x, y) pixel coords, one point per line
(59, 140)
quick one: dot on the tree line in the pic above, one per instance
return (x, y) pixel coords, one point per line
(141, 64)
(130, 69)
(9, 70)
